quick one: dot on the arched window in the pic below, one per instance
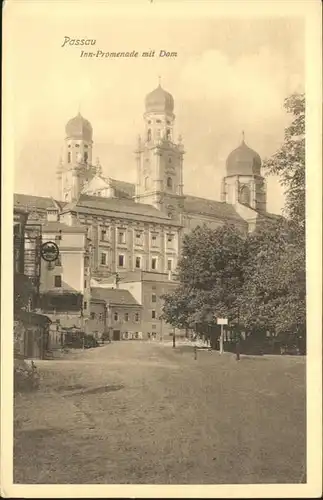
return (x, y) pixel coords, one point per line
(245, 195)
(86, 155)
(149, 135)
(168, 136)
(69, 157)
(169, 182)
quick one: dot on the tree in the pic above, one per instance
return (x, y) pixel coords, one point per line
(273, 295)
(211, 276)
(289, 162)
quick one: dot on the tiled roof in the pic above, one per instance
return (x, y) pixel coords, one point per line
(114, 296)
(53, 226)
(123, 189)
(211, 208)
(27, 201)
(124, 207)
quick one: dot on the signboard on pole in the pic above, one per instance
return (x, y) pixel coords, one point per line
(222, 321)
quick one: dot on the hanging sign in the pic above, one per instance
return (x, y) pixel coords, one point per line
(49, 251)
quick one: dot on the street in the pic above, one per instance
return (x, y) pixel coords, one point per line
(140, 412)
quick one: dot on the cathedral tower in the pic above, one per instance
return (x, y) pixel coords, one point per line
(159, 158)
(243, 182)
(76, 165)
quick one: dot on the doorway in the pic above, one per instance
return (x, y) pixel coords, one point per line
(116, 334)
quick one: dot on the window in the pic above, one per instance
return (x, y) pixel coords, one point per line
(153, 327)
(158, 121)
(121, 237)
(169, 265)
(169, 160)
(154, 240)
(121, 260)
(69, 157)
(103, 259)
(103, 234)
(154, 263)
(58, 261)
(153, 314)
(138, 262)
(77, 145)
(168, 134)
(85, 146)
(85, 283)
(138, 238)
(85, 306)
(153, 297)
(149, 135)
(57, 281)
(86, 156)
(100, 316)
(58, 237)
(116, 316)
(146, 183)
(137, 317)
(92, 315)
(126, 316)
(170, 238)
(169, 182)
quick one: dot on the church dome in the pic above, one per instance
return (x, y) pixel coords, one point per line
(159, 100)
(243, 161)
(79, 128)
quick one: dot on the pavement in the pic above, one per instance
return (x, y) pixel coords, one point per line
(145, 413)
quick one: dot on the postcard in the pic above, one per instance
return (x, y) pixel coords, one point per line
(161, 241)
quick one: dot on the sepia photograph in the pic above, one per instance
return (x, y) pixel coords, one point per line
(157, 172)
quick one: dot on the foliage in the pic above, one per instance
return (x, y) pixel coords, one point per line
(289, 161)
(211, 276)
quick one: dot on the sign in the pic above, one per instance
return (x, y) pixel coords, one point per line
(222, 321)
(49, 251)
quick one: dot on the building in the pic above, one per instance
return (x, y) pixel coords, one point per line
(120, 315)
(65, 283)
(136, 230)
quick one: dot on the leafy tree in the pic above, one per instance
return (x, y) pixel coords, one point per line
(211, 275)
(273, 295)
(289, 161)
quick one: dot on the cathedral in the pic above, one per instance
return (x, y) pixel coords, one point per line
(134, 231)
(140, 226)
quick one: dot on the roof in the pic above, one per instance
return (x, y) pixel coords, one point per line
(79, 128)
(159, 100)
(114, 296)
(93, 204)
(243, 161)
(29, 202)
(33, 318)
(211, 208)
(64, 228)
(123, 189)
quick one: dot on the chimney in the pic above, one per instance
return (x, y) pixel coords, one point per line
(52, 214)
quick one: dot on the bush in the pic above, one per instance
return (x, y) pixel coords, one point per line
(26, 376)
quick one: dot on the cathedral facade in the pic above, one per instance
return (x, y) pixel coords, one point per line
(135, 231)
(140, 226)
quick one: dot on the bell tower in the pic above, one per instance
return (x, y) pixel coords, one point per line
(159, 158)
(76, 165)
(243, 182)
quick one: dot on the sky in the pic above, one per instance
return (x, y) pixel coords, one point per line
(230, 74)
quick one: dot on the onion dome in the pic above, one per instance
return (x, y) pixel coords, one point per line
(79, 128)
(243, 161)
(159, 101)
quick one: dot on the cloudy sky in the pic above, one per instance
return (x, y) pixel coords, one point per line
(230, 75)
